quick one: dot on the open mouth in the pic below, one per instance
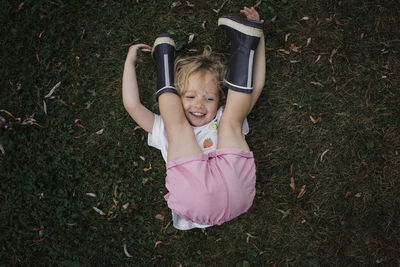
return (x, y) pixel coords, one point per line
(197, 114)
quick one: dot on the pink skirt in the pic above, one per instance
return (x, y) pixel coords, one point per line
(211, 188)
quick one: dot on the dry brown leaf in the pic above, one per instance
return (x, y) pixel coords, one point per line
(287, 36)
(220, 8)
(159, 217)
(284, 51)
(175, 4)
(115, 190)
(156, 244)
(20, 6)
(308, 41)
(189, 4)
(302, 191)
(126, 205)
(147, 169)
(291, 170)
(317, 83)
(317, 120)
(292, 185)
(294, 48)
(37, 57)
(348, 193)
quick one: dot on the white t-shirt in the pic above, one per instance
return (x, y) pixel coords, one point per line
(207, 138)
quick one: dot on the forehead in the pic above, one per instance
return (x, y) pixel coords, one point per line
(203, 80)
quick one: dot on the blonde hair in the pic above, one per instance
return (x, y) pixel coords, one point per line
(185, 66)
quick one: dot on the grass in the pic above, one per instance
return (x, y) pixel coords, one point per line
(344, 206)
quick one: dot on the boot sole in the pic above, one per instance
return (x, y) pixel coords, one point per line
(163, 40)
(252, 28)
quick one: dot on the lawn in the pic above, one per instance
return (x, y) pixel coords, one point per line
(80, 186)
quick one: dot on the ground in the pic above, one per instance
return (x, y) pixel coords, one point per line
(325, 134)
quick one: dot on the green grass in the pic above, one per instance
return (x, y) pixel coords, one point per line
(348, 161)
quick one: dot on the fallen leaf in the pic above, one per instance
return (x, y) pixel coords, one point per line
(191, 37)
(126, 252)
(134, 206)
(77, 60)
(302, 191)
(294, 48)
(147, 169)
(292, 185)
(284, 51)
(100, 131)
(287, 36)
(52, 90)
(248, 237)
(156, 244)
(20, 6)
(257, 4)
(44, 107)
(2, 149)
(284, 213)
(317, 120)
(91, 194)
(308, 41)
(142, 158)
(317, 83)
(99, 211)
(305, 18)
(126, 205)
(159, 217)
(348, 193)
(203, 25)
(291, 170)
(318, 58)
(115, 190)
(220, 8)
(189, 4)
(37, 57)
(76, 122)
(323, 155)
(175, 4)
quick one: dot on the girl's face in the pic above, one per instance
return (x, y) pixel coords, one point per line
(201, 99)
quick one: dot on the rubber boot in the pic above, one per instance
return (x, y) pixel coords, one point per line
(244, 35)
(163, 53)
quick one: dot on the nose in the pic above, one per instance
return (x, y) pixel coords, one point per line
(199, 102)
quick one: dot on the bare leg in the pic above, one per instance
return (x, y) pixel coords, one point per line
(230, 126)
(181, 138)
(244, 36)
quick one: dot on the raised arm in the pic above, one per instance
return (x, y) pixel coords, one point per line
(130, 91)
(259, 59)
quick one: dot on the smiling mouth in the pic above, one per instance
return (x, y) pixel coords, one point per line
(197, 114)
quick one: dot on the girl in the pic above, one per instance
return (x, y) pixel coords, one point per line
(210, 169)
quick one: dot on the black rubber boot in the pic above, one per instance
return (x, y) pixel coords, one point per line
(244, 35)
(163, 53)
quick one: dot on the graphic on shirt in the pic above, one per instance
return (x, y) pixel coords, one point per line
(208, 143)
(213, 125)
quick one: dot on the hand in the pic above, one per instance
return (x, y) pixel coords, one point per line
(251, 13)
(132, 53)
